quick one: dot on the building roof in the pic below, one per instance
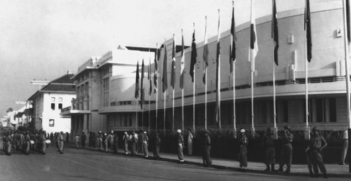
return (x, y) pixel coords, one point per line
(63, 84)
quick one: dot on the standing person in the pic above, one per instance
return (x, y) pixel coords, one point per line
(61, 142)
(90, 139)
(110, 140)
(104, 141)
(157, 145)
(345, 146)
(190, 142)
(99, 140)
(133, 142)
(206, 157)
(145, 144)
(180, 142)
(243, 149)
(93, 140)
(67, 137)
(317, 144)
(268, 143)
(139, 146)
(286, 153)
(126, 140)
(83, 139)
(115, 143)
(76, 140)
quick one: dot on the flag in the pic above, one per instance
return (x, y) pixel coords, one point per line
(164, 77)
(137, 82)
(206, 52)
(253, 39)
(181, 79)
(275, 34)
(348, 26)
(142, 84)
(156, 68)
(308, 30)
(218, 74)
(232, 46)
(149, 77)
(193, 57)
(173, 73)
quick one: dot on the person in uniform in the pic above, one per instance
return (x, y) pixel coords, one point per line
(99, 140)
(268, 143)
(157, 145)
(180, 146)
(7, 143)
(133, 142)
(145, 142)
(61, 142)
(76, 140)
(110, 140)
(104, 141)
(206, 157)
(243, 142)
(115, 143)
(286, 153)
(126, 141)
(139, 145)
(83, 139)
(26, 143)
(344, 148)
(190, 142)
(317, 144)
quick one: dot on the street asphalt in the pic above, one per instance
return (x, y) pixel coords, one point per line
(89, 164)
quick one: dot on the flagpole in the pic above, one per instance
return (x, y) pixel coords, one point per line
(182, 77)
(219, 73)
(136, 114)
(206, 73)
(149, 116)
(194, 93)
(234, 97)
(307, 129)
(183, 108)
(252, 59)
(347, 75)
(156, 71)
(173, 69)
(274, 99)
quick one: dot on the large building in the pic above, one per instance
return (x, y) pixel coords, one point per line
(105, 91)
(48, 102)
(106, 85)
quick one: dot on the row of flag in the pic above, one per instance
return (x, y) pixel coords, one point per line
(253, 50)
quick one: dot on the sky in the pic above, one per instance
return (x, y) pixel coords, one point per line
(42, 39)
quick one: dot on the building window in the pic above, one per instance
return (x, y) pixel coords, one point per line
(60, 105)
(60, 99)
(52, 99)
(53, 106)
(51, 122)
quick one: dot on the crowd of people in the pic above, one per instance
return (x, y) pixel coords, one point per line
(138, 143)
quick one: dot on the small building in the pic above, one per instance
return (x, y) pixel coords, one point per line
(48, 102)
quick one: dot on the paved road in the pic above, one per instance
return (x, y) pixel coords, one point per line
(93, 165)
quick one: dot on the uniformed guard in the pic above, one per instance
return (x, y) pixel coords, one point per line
(286, 153)
(83, 139)
(206, 157)
(7, 143)
(110, 140)
(126, 141)
(26, 143)
(315, 158)
(42, 143)
(99, 140)
(145, 142)
(243, 142)
(133, 142)
(180, 145)
(115, 143)
(157, 145)
(61, 142)
(270, 150)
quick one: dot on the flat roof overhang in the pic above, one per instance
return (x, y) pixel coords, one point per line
(75, 112)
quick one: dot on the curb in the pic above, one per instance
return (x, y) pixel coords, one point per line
(250, 170)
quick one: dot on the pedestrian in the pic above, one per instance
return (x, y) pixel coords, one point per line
(83, 139)
(190, 142)
(61, 142)
(243, 142)
(286, 153)
(99, 140)
(76, 140)
(145, 142)
(67, 137)
(345, 146)
(268, 143)
(157, 145)
(139, 146)
(115, 143)
(104, 142)
(206, 157)
(126, 140)
(180, 142)
(317, 144)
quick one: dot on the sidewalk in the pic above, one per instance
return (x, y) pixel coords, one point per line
(333, 170)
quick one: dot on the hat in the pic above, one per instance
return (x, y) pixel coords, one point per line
(315, 128)
(179, 131)
(242, 131)
(125, 132)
